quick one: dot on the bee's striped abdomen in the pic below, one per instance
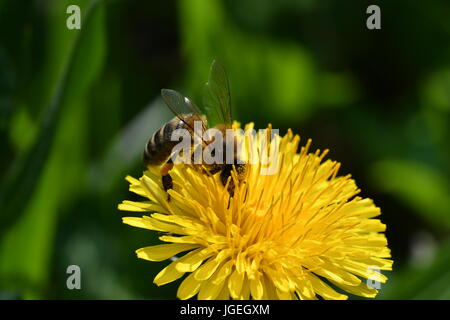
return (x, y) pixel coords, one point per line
(159, 147)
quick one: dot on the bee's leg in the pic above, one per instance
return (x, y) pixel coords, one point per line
(166, 178)
(167, 184)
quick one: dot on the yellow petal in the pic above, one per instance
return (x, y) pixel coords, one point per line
(269, 289)
(209, 290)
(129, 207)
(324, 290)
(374, 240)
(193, 260)
(178, 220)
(256, 288)
(155, 191)
(224, 293)
(360, 290)
(363, 270)
(235, 284)
(167, 275)
(152, 224)
(185, 239)
(382, 264)
(305, 290)
(336, 274)
(280, 282)
(136, 187)
(137, 222)
(207, 270)
(284, 295)
(223, 272)
(142, 206)
(188, 288)
(163, 251)
(245, 292)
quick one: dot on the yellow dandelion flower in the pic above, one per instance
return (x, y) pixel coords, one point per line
(299, 233)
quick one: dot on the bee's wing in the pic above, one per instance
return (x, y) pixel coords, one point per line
(181, 106)
(216, 98)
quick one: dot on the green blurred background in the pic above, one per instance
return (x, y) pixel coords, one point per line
(77, 106)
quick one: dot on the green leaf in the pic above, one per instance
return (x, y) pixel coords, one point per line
(275, 77)
(412, 282)
(422, 188)
(51, 173)
(127, 148)
(24, 173)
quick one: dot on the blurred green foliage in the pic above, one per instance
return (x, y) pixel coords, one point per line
(76, 107)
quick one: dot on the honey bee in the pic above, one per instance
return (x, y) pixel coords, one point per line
(216, 111)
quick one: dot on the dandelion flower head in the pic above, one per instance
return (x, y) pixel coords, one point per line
(300, 233)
